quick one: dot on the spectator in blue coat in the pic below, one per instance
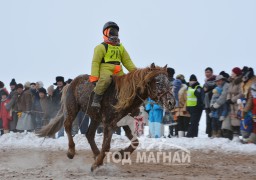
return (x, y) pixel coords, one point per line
(155, 119)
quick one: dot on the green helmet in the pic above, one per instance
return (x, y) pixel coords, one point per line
(110, 24)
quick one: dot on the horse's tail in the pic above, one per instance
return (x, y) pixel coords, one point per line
(56, 123)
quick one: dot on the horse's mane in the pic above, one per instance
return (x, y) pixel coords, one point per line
(127, 86)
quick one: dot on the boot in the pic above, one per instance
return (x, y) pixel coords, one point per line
(218, 134)
(6, 131)
(214, 134)
(96, 100)
(181, 134)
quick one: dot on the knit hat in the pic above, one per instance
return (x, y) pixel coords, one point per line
(42, 90)
(4, 93)
(219, 77)
(180, 76)
(170, 72)
(40, 84)
(237, 71)
(20, 86)
(27, 84)
(193, 78)
(1, 84)
(13, 82)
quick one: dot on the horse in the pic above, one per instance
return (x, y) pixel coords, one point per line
(124, 96)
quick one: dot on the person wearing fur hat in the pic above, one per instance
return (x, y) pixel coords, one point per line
(56, 97)
(14, 106)
(221, 100)
(5, 115)
(44, 102)
(208, 86)
(36, 106)
(231, 124)
(252, 100)
(25, 121)
(32, 85)
(2, 90)
(107, 60)
(248, 79)
(180, 112)
(60, 83)
(195, 105)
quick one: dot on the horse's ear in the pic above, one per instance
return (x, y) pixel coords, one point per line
(165, 67)
(152, 66)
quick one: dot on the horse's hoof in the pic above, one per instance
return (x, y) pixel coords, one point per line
(70, 156)
(93, 167)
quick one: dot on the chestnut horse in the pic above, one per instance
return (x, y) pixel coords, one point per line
(124, 96)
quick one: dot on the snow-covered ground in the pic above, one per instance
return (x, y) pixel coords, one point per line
(203, 143)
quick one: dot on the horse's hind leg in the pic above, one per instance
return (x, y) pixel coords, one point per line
(68, 128)
(90, 135)
(134, 142)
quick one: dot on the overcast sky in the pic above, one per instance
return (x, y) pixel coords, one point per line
(42, 39)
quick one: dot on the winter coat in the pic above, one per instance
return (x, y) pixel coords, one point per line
(44, 103)
(155, 111)
(35, 100)
(223, 97)
(11, 94)
(234, 93)
(26, 101)
(56, 98)
(12, 105)
(98, 66)
(199, 93)
(208, 87)
(176, 87)
(222, 111)
(181, 110)
(5, 115)
(246, 86)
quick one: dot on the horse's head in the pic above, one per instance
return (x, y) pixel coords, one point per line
(160, 88)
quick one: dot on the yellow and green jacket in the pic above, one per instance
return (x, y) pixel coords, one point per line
(107, 57)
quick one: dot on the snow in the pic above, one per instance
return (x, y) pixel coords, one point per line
(202, 143)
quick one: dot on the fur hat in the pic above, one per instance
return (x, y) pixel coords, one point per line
(50, 88)
(219, 77)
(224, 74)
(170, 71)
(27, 85)
(59, 78)
(20, 86)
(248, 74)
(180, 76)
(69, 81)
(1, 84)
(42, 90)
(237, 71)
(193, 78)
(40, 84)
(13, 82)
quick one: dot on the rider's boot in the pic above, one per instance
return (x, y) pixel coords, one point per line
(97, 100)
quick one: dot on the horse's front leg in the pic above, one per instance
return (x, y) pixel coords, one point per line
(90, 135)
(134, 142)
(105, 147)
